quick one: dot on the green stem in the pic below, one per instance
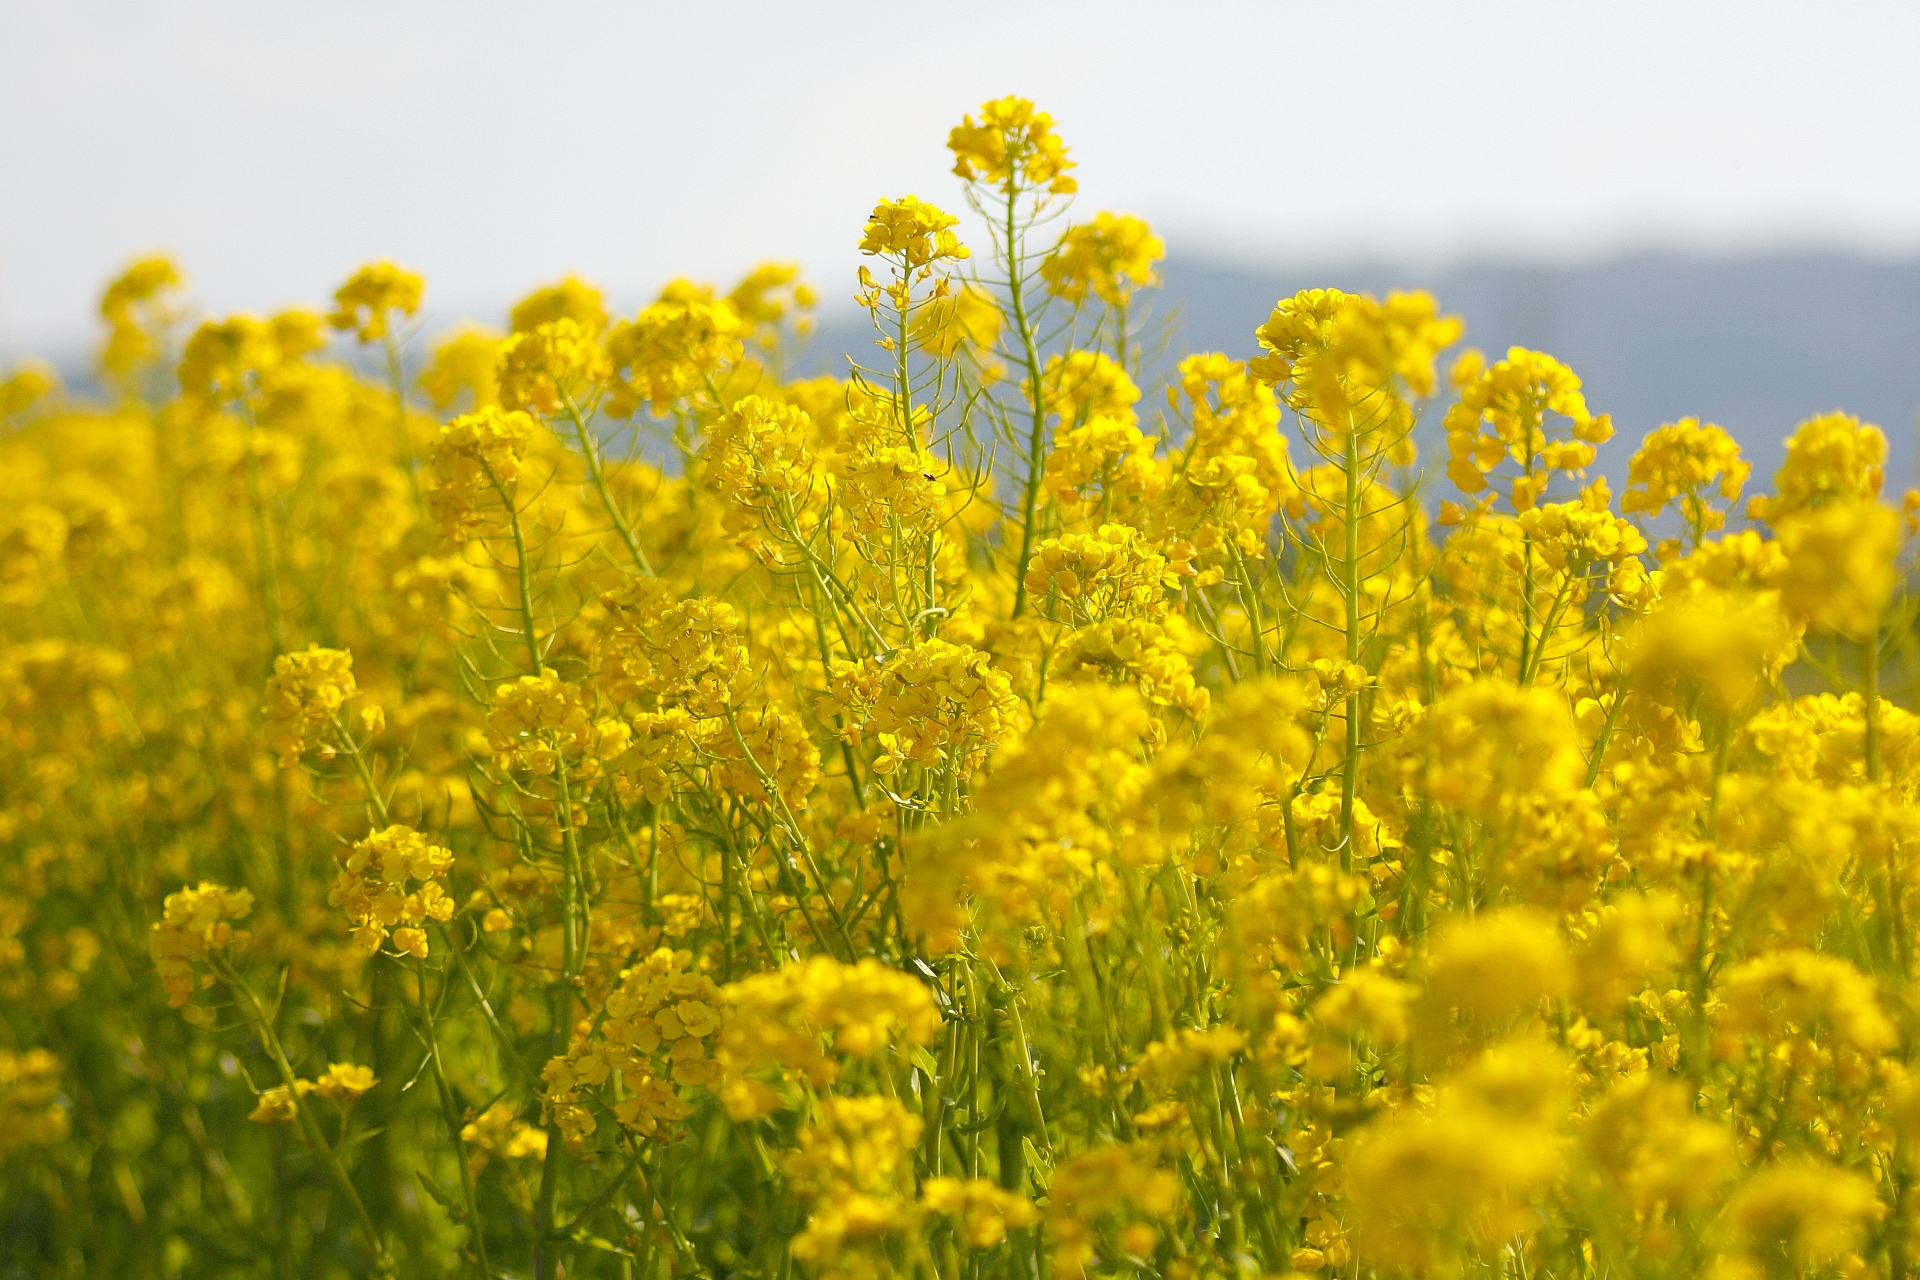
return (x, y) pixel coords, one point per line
(450, 1115)
(1870, 695)
(1036, 403)
(1350, 587)
(597, 470)
(310, 1127)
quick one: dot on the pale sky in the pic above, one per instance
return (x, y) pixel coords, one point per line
(493, 146)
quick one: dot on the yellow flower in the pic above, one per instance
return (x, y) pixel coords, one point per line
(1461, 1177)
(1809, 1214)
(982, 1211)
(674, 347)
(1840, 565)
(499, 1131)
(1834, 457)
(1491, 969)
(25, 387)
(280, 1105)
(1769, 996)
(914, 231)
(1125, 1180)
(466, 362)
(1678, 465)
(228, 359)
(1513, 398)
(474, 464)
(549, 367)
(365, 303)
(937, 703)
(964, 319)
(1013, 147)
(345, 1082)
(1113, 255)
(31, 1113)
(570, 299)
(779, 1017)
(393, 881)
(305, 694)
(136, 314)
(758, 451)
(1344, 358)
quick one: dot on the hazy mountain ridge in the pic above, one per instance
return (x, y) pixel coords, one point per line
(1756, 344)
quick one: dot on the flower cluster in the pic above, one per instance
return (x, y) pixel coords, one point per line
(365, 304)
(1012, 147)
(657, 1038)
(196, 924)
(307, 692)
(392, 884)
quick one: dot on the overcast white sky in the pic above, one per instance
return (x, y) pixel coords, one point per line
(274, 145)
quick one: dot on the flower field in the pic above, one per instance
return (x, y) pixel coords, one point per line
(588, 801)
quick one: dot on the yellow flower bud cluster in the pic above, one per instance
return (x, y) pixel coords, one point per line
(1678, 465)
(1098, 574)
(759, 452)
(1840, 571)
(1151, 655)
(27, 386)
(1128, 1181)
(893, 486)
(768, 295)
(1831, 458)
(657, 1037)
(1083, 385)
(851, 1166)
(570, 299)
(780, 1019)
(499, 1131)
(1013, 147)
(196, 924)
(1105, 462)
(465, 362)
(660, 651)
(983, 1213)
(935, 702)
(1233, 476)
(1112, 256)
(1576, 535)
(538, 722)
(915, 232)
(228, 359)
(474, 464)
(133, 310)
(672, 348)
(1345, 360)
(343, 1082)
(393, 883)
(305, 695)
(365, 304)
(551, 367)
(1513, 398)
(964, 319)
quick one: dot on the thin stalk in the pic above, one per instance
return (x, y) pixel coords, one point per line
(1037, 431)
(1870, 695)
(1350, 587)
(597, 470)
(309, 1125)
(450, 1115)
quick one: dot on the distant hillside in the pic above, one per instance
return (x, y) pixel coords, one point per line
(1756, 344)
